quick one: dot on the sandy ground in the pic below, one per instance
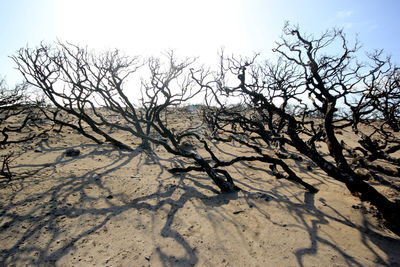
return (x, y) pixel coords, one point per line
(108, 207)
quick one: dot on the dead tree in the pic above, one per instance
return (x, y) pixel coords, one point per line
(247, 124)
(19, 121)
(330, 80)
(321, 83)
(383, 92)
(87, 87)
(377, 107)
(170, 86)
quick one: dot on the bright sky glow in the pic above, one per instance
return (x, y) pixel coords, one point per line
(192, 28)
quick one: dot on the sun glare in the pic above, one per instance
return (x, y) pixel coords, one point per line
(191, 28)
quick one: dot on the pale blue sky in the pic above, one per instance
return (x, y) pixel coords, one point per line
(193, 28)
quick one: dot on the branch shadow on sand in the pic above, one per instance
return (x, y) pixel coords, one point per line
(49, 211)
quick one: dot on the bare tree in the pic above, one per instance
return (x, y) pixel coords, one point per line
(329, 92)
(87, 87)
(19, 121)
(308, 77)
(377, 106)
(383, 92)
(246, 125)
(79, 83)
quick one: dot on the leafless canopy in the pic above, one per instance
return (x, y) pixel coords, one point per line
(315, 92)
(19, 120)
(87, 87)
(307, 99)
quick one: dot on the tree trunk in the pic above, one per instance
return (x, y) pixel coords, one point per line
(225, 184)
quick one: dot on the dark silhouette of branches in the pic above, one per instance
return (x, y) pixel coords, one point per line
(87, 88)
(278, 110)
(20, 121)
(308, 77)
(79, 83)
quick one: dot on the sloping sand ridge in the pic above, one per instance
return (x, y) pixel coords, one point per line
(110, 207)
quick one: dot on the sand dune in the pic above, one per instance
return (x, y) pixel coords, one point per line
(109, 207)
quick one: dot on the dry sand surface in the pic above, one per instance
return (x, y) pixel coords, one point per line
(108, 207)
